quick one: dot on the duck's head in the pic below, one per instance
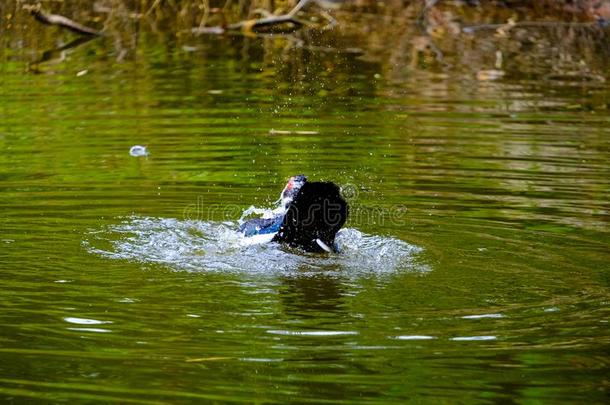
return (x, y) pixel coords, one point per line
(292, 189)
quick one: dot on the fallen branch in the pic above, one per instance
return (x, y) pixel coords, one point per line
(61, 21)
(281, 24)
(284, 23)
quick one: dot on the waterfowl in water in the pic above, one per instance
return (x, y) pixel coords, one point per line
(309, 216)
(313, 218)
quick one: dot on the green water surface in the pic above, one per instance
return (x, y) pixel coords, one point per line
(504, 185)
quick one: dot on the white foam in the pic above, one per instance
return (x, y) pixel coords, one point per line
(209, 246)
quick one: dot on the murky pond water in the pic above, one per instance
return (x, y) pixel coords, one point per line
(475, 264)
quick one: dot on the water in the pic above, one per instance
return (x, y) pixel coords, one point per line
(218, 247)
(474, 265)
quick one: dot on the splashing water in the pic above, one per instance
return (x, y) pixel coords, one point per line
(209, 246)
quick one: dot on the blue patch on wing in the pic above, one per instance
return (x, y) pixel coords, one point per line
(260, 226)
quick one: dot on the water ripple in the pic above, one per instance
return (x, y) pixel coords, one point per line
(208, 246)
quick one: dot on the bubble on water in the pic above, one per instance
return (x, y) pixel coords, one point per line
(138, 151)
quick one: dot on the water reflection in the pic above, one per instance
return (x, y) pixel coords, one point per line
(311, 296)
(56, 55)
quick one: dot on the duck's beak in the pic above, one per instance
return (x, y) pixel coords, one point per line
(323, 245)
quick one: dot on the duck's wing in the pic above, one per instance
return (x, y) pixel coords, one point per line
(259, 226)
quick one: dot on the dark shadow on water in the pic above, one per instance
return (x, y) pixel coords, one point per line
(57, 54)
(313, 295)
